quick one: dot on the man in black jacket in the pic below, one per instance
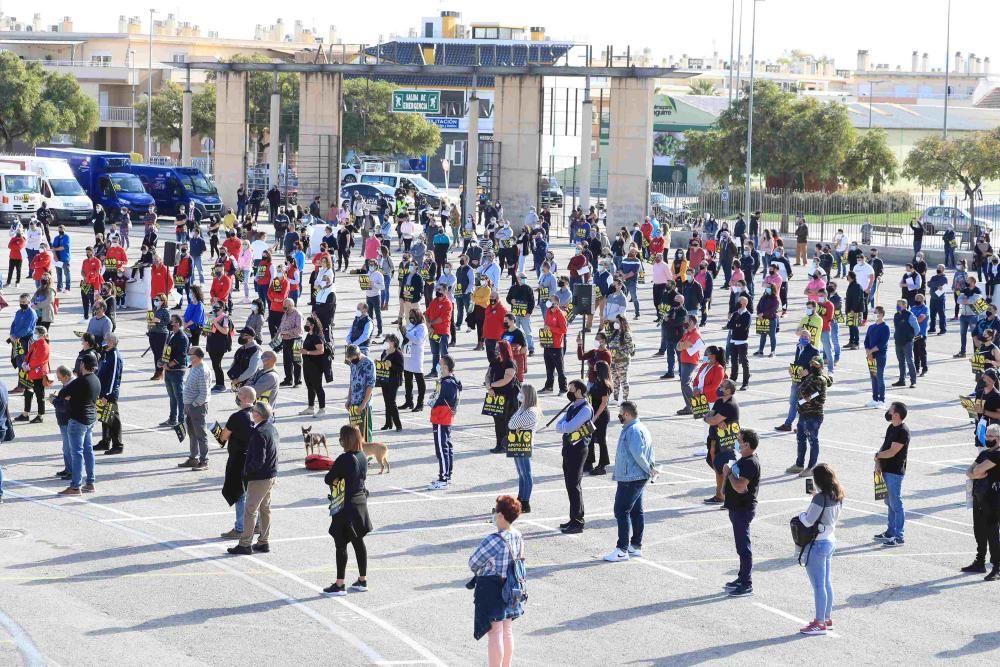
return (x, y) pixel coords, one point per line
(81, 396)
(235, 437)
(672, 330)
(259, 471)
(521, 298)
(739, 341)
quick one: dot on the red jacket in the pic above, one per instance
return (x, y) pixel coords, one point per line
(16, 245)
(277, 292)
(90, 265)
(555, 321)
(40, 265)
(221, 287)
(493, 324)
(656, 245)
(160, 280)
(713, 378)
(116, 253)
(647, 230)
(183, 268)
(94, 278)
(37, 359)
(233, 246)
(263, 275)
(440, 309)
(576, 263)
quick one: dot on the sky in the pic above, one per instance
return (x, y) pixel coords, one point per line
(890, 29)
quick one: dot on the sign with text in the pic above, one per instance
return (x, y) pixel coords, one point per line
(416, 101)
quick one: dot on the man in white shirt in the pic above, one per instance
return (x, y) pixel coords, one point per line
(865, 274)
(373, 295)
(661, 275)
(840, 248)
(258, 246)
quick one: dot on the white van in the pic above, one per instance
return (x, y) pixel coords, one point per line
(20, 195)
(59, 188)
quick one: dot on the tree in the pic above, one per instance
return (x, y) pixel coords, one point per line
(370, 127)
(968, 160)
(35, 105)
(870, 162)
(167, 107)
(702, 87)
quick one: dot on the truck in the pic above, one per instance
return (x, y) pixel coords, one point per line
(20, 195)
(174, 187)
(59, 188)
(106, 178)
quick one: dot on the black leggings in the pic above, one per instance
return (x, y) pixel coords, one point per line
(313, 375)
(216, 357)
(389, 392)
(14, 264)
(601, 440)
(421, 387)
(38, 391)
(360, 554)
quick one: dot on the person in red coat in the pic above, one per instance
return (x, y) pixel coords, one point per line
(277, 292)
(16, 255)
(160, 280)
(182, 275)
(222, 286)
(555, 323)
(438, 316)
(493, 326)
(36, 366)
(41, 264)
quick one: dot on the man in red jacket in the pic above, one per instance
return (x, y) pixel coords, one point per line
(160, 281)
(555, 326)
(493, 326)
(438, 315)
(277, 292)
(222, 286)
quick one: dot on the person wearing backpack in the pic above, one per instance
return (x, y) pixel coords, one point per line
(498, 566)
(985, 476)
(821, 516)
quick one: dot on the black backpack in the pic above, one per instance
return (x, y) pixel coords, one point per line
(804, 535)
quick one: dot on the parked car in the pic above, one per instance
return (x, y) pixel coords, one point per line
(550, 193)
(348, 174)
(936, 219)
(414, 183)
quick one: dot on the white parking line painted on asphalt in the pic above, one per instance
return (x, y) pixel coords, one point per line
(911, 521)
(30, 654)
(355, 641)
(786, 615)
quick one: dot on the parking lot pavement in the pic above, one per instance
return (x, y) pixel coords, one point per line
(136, 573)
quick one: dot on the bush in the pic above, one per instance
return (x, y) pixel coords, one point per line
(806, 203)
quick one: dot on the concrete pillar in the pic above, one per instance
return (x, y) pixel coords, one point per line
(274, 126)
(630, 150)
(186, 129)
(230, 134)
(318, 167)
(586, 136)
(472, 158)
(517, 126)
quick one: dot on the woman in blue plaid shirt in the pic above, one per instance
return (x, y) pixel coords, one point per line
(491, 563)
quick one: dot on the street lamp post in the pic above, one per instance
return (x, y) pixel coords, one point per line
(947, 67)
(131, 79)
(753, 38)
(149, 92)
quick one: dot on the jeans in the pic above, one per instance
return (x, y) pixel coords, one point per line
(808, 429)
(904, 356)
(628, 513)
(524, 324)
(524, 483)
(741, 518)
(894, 501)
(772, 334)
(878, 380)
(827, 350)
(673, 356)
(81, 450)
(63, 277)
(439, 348)
(938, 317)
(196, 262)
(632, 287)
(67, 450)
(965, 322)
(375, 310)
(835, 337)
(949, 256)
(462, 308)
(686, 371)
(818, 569)
(240, 506)
(174, 380)
(793, 403)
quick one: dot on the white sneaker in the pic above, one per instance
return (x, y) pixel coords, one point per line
(880, 405)
(616, 555)
(633, 552)
(437, 485)
(308, 411)
(320, 412)
(871, 404)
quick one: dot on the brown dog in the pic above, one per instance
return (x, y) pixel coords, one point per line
(313, 441)
(378, 451)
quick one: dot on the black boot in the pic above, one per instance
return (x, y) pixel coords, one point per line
(977, 566)
(994, 573)
(101, 446)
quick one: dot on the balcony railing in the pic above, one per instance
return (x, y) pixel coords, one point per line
(117, 114)
(75, 63)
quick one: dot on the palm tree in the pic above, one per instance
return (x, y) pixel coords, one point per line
(702, 87)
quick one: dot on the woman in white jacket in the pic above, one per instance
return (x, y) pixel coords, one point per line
(414, 340)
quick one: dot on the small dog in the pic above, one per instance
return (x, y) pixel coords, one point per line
(313, 441)
(378, 451)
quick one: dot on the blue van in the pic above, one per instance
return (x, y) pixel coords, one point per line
(173, 187)
(106, 179)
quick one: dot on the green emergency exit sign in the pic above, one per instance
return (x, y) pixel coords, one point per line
(416, 101)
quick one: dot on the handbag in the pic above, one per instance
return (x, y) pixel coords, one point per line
(803, 535)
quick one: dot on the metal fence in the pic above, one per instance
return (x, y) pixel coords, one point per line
(889, 213)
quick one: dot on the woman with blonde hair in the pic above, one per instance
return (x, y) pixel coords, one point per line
(523, 424)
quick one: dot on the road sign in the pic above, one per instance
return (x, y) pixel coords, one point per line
(416, 101)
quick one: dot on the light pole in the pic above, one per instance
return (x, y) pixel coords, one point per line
(871, 92)
(947, 67)
(753, 39)
(149, 92)
(130, 54)
(739, 52)
(732, 38)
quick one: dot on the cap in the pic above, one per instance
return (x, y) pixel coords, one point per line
(248, 331)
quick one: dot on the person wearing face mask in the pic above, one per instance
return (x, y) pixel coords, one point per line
(984, 473)
(826, 311)
(910, 284)
(158, 329)
(805, 352)
(315, 364)
(260, 468)
(218, 341)
(576, 428)
(938, 286)
(631, 267)
(521, 298)
(890, 460)
(221, 287)
(173, 364)
(290, 332)
(749, 265)
(44, 302)
(161, 281)
(599, 395)
(812, 397)
(182, 272)
(35, 365)
(524, 420)
(689, 348)
(854, 305)
(694, 294)
(360, 390)
(411, 291)
(905, 330)
(462, 290)
(360, 331)
(414, 337)
(922, 314)
(779, 276)
(246, 359)
(634, 467)
(196, 397)
(812, 322)
(538, 248)
(971, 300)
(739, 343)
(767, 319)
(277, 292)
(439, 321)
(555, 329)
(22, 326)
(547, 286)
(502, 380)
(493, 327)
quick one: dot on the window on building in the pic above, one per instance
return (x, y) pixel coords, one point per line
(101, 60)
(485, 33)
(459, 146)
(179, 58)
(505, 33)
(428, 29)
